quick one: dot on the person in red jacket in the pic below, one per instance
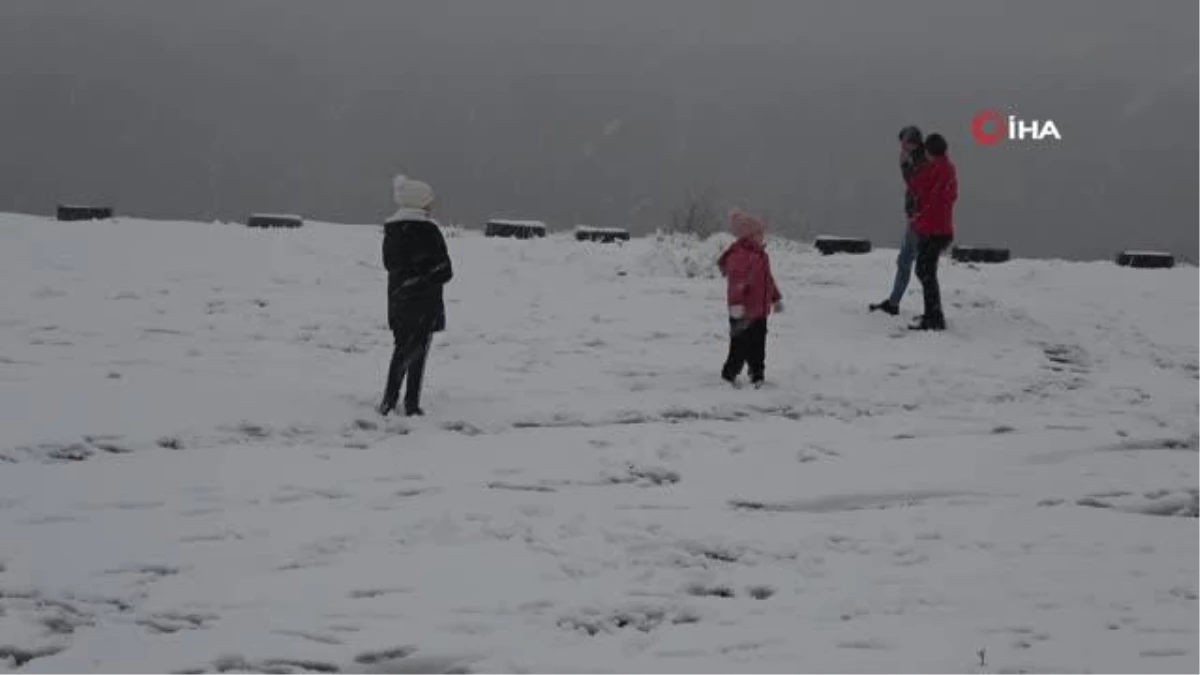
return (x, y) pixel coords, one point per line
(751, 295)
(935, 186)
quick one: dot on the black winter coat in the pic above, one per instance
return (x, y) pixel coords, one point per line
(418, 266)
(908, 166)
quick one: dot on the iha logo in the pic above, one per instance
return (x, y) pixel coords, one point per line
(991, 126)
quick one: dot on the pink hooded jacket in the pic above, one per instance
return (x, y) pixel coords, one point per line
(747, 269)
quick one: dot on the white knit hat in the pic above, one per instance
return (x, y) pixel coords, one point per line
(411, 194)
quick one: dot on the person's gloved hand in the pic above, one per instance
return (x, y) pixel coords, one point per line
(737, 312)
(779, 307)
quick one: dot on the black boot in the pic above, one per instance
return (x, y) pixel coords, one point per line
(395, 378)
(416, 378)
(886, 306)
(385, 407)
(756, 379)
(929, 323)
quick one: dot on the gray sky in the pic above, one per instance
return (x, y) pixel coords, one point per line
(607, 112)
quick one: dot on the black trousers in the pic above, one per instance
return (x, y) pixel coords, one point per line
(747, 347)
(929, 249)
(408, 361)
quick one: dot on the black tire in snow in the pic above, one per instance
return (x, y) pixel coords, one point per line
(829, 245)
(515, 229)
(1146, 259)
(270, 221)
(604, 235)
(74, 213)
(980, 254)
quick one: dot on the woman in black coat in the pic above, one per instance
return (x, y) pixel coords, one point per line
(418, 266)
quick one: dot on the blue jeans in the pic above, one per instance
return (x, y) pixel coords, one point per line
(904, 266)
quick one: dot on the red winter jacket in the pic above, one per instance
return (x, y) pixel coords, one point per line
(935, 186)
(750, 283)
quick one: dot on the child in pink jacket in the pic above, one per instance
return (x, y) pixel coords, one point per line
(752, 294)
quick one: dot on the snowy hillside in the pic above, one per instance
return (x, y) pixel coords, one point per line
(192, 477)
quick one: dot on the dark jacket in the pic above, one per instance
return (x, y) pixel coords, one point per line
(908, 167)
(418, 266)
(936, 188)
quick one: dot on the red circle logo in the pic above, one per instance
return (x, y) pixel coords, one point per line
(988, 127)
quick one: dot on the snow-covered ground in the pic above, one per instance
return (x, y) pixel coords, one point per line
(192, 477)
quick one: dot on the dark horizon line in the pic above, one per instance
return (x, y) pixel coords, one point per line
(1181, 259)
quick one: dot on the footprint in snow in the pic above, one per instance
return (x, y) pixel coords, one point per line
(368, 593)
(873, 644)
(705, 591)
(849, 502)
(210, 538)
(290, 494)
(634, 616)
(51, 519)
(1162, 653)
(643, 476)
(517, 487)
(813, 453)
(173, 622)
(148, 573)
(417, 492)
(1182, 503)
(464, 428)
(311, 637)
(20, 656)
(760, 592)
(235, 663)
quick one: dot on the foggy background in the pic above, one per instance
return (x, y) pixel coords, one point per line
(608, 112)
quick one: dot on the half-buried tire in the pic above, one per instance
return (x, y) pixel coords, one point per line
(605, 235)
(274, 220)
(1151, 260)
(828, 245)
(515, 229)
(980, 254)
(71, 213)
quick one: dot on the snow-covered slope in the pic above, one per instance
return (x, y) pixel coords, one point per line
(192, 478)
